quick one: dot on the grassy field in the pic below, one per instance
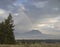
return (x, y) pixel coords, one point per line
(32, 45)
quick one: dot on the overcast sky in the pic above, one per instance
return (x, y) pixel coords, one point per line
(42, 15)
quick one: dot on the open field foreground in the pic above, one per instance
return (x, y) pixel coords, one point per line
(32, 45)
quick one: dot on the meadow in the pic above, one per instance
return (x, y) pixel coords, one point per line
(32, 45)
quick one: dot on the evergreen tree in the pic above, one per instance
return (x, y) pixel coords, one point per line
(6, 31)
(2, 33)
(9, 35)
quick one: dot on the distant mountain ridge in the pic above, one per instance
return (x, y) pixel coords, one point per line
(36, 34)
(33, 32)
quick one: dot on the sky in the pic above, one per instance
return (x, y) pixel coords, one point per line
(42, 15)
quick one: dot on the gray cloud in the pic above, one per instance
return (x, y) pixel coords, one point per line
(31, 12)
(50, 10)
(5, 4)
(51, 31)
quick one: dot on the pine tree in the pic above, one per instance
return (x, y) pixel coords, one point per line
(9, 35)
(2, 33)
(6, 31)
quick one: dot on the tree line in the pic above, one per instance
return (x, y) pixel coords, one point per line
(6, 31)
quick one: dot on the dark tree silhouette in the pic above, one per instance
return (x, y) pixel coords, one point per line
(6, 29)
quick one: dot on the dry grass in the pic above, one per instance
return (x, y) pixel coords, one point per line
(32, 45)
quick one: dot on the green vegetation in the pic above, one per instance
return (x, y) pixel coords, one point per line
(6, 31)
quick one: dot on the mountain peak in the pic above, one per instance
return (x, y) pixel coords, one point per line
(35, 31)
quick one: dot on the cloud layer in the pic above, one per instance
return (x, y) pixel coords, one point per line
(41, 15)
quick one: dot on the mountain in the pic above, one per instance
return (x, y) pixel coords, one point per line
(33, 32)
(36, 34)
